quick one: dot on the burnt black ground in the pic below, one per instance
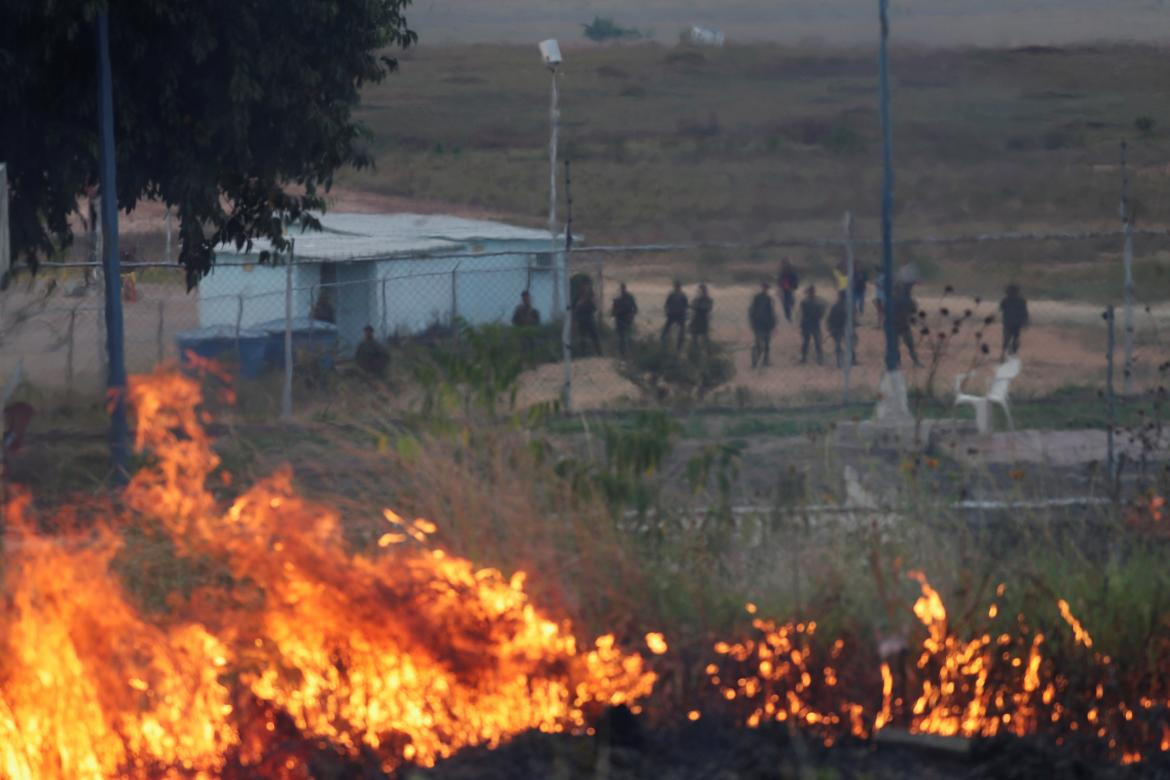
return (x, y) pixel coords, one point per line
(720, 751)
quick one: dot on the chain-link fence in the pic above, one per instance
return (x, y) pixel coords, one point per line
(53, 323)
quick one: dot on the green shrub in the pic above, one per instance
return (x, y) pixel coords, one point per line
(666, 375)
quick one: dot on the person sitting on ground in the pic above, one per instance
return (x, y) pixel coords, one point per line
(625, 309)
(676, 315)
(701, 308)
(585, 319)
(371, 356)
(1014, 310)
(789, 282)
(838, 323)
(762, 318)
(903, 313)
(525, 315)
(812, 312)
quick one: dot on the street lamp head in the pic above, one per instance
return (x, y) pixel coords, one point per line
(550, 51)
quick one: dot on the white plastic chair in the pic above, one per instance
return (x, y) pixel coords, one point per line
(996, 394)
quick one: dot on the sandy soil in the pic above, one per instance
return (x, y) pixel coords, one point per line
(1065, 345)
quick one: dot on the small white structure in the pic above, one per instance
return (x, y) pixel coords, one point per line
(996, 394)
(400, 273)
(703, 36)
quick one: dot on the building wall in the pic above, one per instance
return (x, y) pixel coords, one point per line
(355, 300)
(260, 286)
(401, 296)
(423, 292)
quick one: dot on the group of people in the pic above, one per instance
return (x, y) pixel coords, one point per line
(692, 316)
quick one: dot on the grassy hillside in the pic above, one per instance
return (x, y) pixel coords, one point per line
(935, 22)
(758, 142)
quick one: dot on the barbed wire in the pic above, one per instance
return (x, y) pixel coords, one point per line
(656, 248)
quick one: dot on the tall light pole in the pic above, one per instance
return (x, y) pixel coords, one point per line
(550, 52)
(893, 405)
(116, 374)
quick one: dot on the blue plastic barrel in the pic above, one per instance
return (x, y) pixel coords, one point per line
(222, 343)
(312, 340)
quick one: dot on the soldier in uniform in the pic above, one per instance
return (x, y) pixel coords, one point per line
(789, 284)
(762, 317)
(812, 311)
(838, 322)
(701, 308)
(372, 357)
(676, 315)
(525, 315)
(625, 308)
(903, 311)
(1014, 310)
(585, 317)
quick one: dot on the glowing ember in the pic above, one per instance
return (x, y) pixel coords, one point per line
(978, 687)
(410, 654)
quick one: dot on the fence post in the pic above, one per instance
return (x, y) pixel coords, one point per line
(849, 304)
(239, 316)
(286, 408)
(101, 336)
(162, 327)
(69, 351)
(1127, 228)
(384, 333)
(1110, 401)
(454, 295)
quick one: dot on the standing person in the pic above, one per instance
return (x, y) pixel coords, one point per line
(879, 298)
(323, 310)
(1014, 309)
(838, 324)
(625, 308)
(371, 356)
(701, 308)
(841, 276)
(812, 312)
(903, 311)
(860, 281)
(789, 283)
(585, 316)
(762, 317)
(525, 315)
(676, 315)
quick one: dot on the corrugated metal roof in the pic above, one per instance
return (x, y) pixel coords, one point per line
(373, 236)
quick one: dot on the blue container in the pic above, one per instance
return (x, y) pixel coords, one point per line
(312, 340)
(222, 343)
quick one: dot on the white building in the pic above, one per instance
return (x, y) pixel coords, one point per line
(400, 273)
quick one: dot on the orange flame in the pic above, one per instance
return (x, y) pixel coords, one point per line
(409, 653)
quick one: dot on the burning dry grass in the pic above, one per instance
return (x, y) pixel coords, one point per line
(404, 654)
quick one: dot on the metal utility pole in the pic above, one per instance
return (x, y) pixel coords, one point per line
(551, 53)
(893, 358)
(1127, 228)
(894, 405)
(567, 333)
(116, 375)
(849, 304)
